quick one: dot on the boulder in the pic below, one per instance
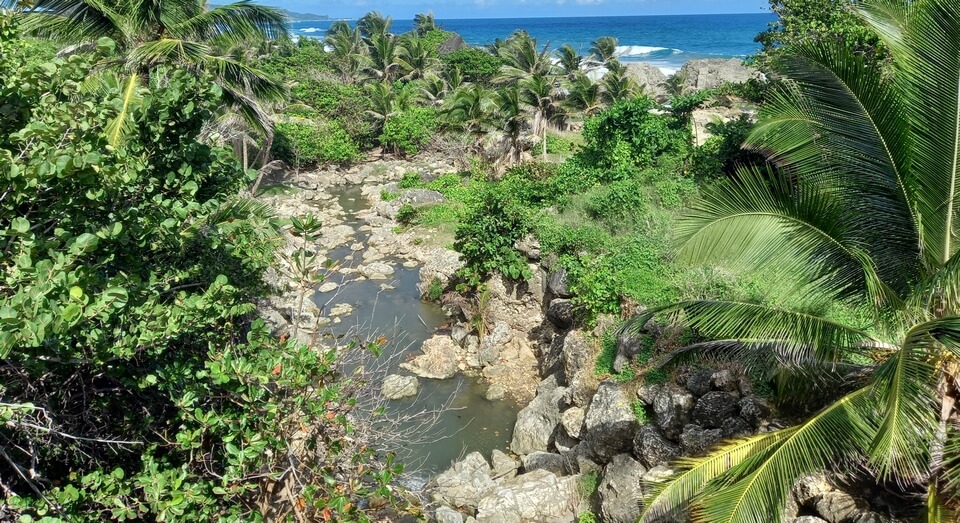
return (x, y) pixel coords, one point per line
(447, 515)
(503, 465)
(492, 343)
(376, 271)
(529, 246)
(557, 283)
(620, 492)
(652, 448)
(454, 43)
(735, 428)
(536, 496)
(671, 410)
(495, 392)
(809, 488)
(438, 361)
(610, 421)
(650, 78)
(560, 312)
(628, 346)
(712, 73)
(572, 421)
(807, 519)
(420, 197)
(396, 386)
(699, 382)
(464, 484)
(839, 507)
(714, 408)
(696, 440)
(576, 354)
(438, 263)
(725, 380)
(754, 409)
(537, 421)
(543, 461)
(274, 172)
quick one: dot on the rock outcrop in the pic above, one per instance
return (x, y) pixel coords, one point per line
(712, 73)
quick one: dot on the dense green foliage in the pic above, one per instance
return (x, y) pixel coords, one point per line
(302, 142)
(486, 235)
(409, 130)
(800, 21)
(136, 381)
(475, 65)
(628, 134)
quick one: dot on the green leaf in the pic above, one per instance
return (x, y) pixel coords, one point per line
(19, 225)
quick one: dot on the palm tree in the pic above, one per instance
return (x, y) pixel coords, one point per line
(423, 23)
(604, 49)
(570, 60)
(522, 58)
(384, 63)
(184, 34)
(858, 210)
(538, 93)
(415, 59)
(374, 24)
(381, 98)
(617, 83)
(348, 49)
(584, 96)
(471, 110)
(512, 119)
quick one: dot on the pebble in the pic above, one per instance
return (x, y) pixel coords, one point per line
(328, 287)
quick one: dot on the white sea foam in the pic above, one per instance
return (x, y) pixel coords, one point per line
(668, 71)
(642, 50)
(311, 30)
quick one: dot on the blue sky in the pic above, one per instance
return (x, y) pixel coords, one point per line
(518, 8)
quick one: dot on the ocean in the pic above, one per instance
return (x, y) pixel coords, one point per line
(665, 41)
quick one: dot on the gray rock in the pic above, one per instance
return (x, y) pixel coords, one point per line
(754, 409)
(537, 421)
(376, 271)
(438, 361)
(725, 380)
(572, 421)
(563, 442)
(447, 515)
(671, 410)
(628, 346)
(459, 333)
(650, 78)
(839, 507)
(648, 393)
(489, 351)
(545, 461)
(503, 465)
(274, 172)
(700, 383)
(495, 392)
(396, 386)
(652, 448)
(537, 496)
(560, 312)
(576, 354)
(808, 519)
(620, 492)
(610, 422)
(809, 488)
(712, 73)
(454, 43)
(529, 245)
(558, 284)
(714, 408)
(464, 484)
(696, 440)
(418, 197)
(735, 428)
(870, 517)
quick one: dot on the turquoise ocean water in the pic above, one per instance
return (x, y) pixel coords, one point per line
(665, 41)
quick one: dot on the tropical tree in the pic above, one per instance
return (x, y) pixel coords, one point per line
(423, 23)
(570, 60)
(384, 63)
(617, 83)
(584, 96)
(858, 211)
(523, 58)
(374, 24)
(603, 50)
(348, 48)
(415, 59)
(512, 119)
(382, 102)
(471, 109)
(539, 94)
(155, 37)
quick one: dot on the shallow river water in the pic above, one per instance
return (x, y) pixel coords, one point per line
(469, 422)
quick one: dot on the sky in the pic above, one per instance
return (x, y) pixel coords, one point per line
(400, 9)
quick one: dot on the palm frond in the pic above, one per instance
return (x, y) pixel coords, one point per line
(238, 23)
(185, 53)
(246, 79)
(121, 124)
(73, 21)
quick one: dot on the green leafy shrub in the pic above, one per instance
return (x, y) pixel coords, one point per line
(475, 64)
(486, 235)
(618, 205)
(410, 180)
(587, 517)
(407, 214)
(589, 483)
(435, 289)
(629, 134)
(559, 144)
(405, 133)
(720, 155)
(434, 38)
(302, 143)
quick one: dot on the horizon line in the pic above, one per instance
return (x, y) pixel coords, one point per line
(349, 19)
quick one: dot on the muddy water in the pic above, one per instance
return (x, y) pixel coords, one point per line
(468, 421)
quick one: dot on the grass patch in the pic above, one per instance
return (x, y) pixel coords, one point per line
(640, 411)
(277, 189)
(388, 196)
(589, 483)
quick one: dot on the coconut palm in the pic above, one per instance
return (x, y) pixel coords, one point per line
(617, 84)
(349, 50)
(374, 24)
(415, 59)
(603, 50)
(149, 36)
(584, 96)
(523, 58)
(859, 211)
(539, 93)
(423, 23)
(570, 60)
(512, 119)
(433, 89)
(384, 63)
(471, 109)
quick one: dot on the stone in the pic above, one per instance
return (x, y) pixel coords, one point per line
(650, 78)
(699, 383)
(558, 284)
(503, 465)
(274, 172)
(652, 448)
(447, 515)
(620, 491)
(629, 345)
(808, 519)
(396, 386)
(537, 421)
(464, 484)
(560, 312)
(341, 309)
(540, 460)
(809, 488)
(671, 410)
(459, 333)
(696, 440)
(328, 286)
(754, 409)
(647, 393)
(712, 73)
(454, 43)
(735, 428)
(839, 507)
(529, 246)
(536, 496)
(376, 271)
(490, 347)
(420, 197)
(714, 408)
(870, 517)
(610, 421)
(572, 421)
(438, 361)
(724, 380)
(495, 392)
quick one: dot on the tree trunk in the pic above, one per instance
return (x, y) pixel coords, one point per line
(244, 149)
